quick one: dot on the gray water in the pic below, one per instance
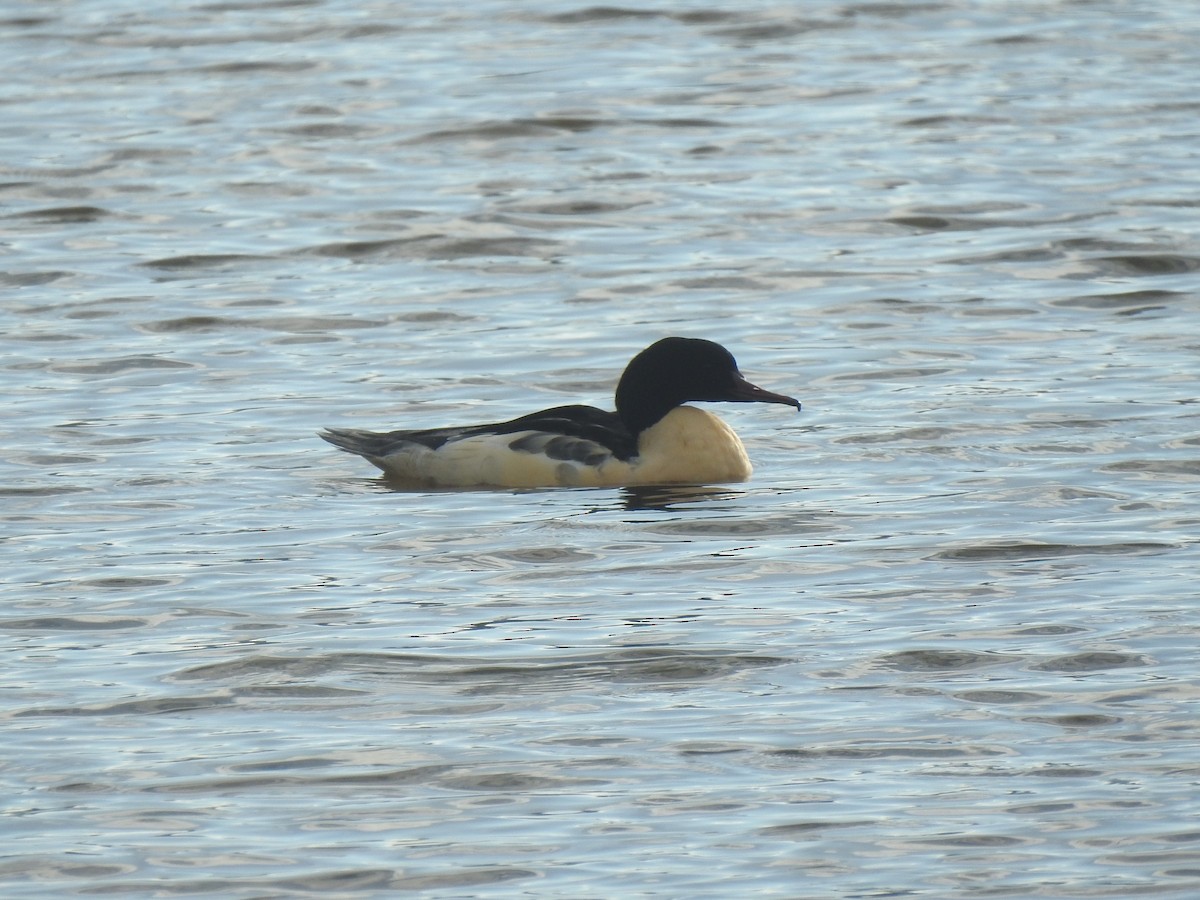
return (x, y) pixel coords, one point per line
(943, 643)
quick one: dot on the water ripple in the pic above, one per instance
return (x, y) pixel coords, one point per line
(943, 641)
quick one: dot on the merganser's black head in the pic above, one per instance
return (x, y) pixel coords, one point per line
(675, 370)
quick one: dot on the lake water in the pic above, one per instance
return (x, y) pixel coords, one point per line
(944, 642)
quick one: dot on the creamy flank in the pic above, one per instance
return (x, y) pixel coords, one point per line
(687, 446)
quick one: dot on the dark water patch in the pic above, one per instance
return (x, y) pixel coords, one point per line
(889, 751)
(46, 338)
(382, 247)
(1000, 696)
(150, 707)
(44, 490)
(269, 779)
(781, 29)
(667, 665)
(258, 66)
(550, 126)
(433, 316)
(128, 441)
(200, 324)
(1181, 837)
(891, 305)
(1158, 469)
(545, 555)
(922, 223)
(1031, 551)
(1075, 721)
(570, 124)
(970, 208)
(84, 787)
(302, 763)
(437, 247)
(628, 668)
(374, 31)
(743, 526)
(1014, 40)
(814, 829)
(285, 324)
(204, 261)
(54, 459)
(45, 870)
(270, 189)
(250, 69)
(32, 279)
(939, 660)
(710, 748)
(295, 691)
(27, 21)
(892, 10)
(587, 207)
(517, 781)
(332, 130)
(467, 248)
(144, 154)
(257, 5)
(73, 623)
(1124, 302)
(973, 217)
(1168, 202)
(1041, 809)
(1046, 630)
(941, 223)
(963, 122)
(723, 283)
(120, 365)
(680, 122)
(340, 883)
(593, 14)
(503, 561)
(1093, 661)
(898, 374)
(923, 434)
(260, 664)
(63, 215)
(602, 14)
(1020, 255)
(1146, 264)
(196, 38)
(51, 173)
(129, 582)
(1063, 771)
(88, 309)
(473, 673)
(958, 841)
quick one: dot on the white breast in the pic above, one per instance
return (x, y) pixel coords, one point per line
(689, 446)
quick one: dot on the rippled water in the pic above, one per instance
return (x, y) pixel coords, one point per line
(942, 644)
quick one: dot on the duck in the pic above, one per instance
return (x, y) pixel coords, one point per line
(653, 437)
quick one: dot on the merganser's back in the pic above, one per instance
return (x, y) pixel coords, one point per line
(652, 438)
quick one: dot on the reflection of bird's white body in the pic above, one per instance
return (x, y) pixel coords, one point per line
(652, 438)
(688, 445)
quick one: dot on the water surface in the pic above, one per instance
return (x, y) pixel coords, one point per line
(942, 643)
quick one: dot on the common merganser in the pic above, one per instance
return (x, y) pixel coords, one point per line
(652, 438)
